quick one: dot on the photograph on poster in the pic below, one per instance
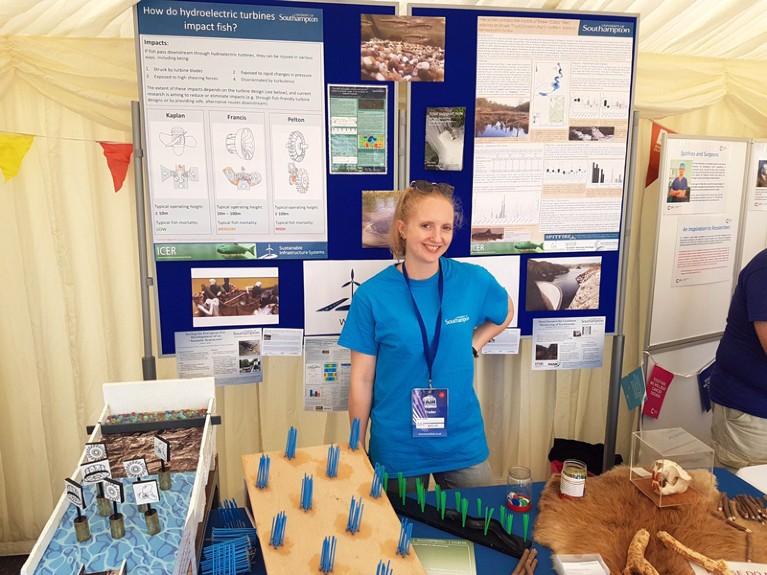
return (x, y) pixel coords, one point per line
(402, 48)
(487, 234)
(761, 176)
(377, 213)
(234, 296)
(502, 118)
(563, 283)
(445, 132)
(678, 185)
(546, 352)
(249, 356)
(591, 133)
(249, 347)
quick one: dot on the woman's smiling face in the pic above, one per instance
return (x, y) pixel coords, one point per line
(428, 231)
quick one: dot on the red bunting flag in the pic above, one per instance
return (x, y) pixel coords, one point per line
(13, 148)
(657, 386)
(118, 160)
(653, 165)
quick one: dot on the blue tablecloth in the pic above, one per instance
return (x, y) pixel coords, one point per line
(490, 562)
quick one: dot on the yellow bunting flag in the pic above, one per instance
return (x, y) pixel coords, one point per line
(118, 160)
(13, 148)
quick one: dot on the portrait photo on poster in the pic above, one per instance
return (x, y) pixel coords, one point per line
(678, 185)
(761, 176)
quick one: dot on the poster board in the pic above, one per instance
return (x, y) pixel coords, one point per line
(697, 238)
(206, 25)
(755, 213)
(465, 61)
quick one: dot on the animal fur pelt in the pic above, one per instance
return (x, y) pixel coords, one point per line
(613, 509)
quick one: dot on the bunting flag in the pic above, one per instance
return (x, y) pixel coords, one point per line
(118, 160)
(653, 165)
(657, 386)
(13, 148)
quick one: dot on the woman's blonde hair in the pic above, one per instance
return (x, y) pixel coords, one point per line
(419, 190)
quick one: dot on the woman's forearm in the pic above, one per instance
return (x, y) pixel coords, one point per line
(361, 389)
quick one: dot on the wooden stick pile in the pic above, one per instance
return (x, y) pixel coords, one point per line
(527, 563)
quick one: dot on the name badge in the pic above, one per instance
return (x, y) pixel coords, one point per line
(429, 408)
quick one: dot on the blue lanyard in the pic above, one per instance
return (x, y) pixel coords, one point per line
(429, 351)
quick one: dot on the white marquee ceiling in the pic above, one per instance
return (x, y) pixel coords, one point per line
(727, 29)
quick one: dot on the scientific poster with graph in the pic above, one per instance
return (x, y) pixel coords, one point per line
(550, 134)
(235, 133)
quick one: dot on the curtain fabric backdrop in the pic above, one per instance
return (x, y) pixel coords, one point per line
(70, 312)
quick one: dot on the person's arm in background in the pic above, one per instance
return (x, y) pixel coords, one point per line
(488, 330)
(361, 390)
(761, 333)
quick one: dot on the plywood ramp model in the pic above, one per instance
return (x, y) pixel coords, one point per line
(305, 531)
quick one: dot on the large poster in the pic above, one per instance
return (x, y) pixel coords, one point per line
(235, 132)
(551, 128)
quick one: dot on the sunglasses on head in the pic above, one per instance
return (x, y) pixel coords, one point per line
(426, 186)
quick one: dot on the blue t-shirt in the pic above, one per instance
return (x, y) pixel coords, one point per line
(382, 322)
(739, 377)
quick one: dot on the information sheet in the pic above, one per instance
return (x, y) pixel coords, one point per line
(230, 356)
(736, 567)
(506, 342)
(705, 250)
(568, 342)
(445, 556)
(758, 173)
(551, 126)
(327, 367)
(283, 342)
(695, 176)
(357, 124)
(445, 133)
(235, 132)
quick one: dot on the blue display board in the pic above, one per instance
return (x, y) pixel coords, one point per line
(341, 40)
(341, 23)
(459, 89)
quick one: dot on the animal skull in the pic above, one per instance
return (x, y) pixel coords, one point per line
(668, 477)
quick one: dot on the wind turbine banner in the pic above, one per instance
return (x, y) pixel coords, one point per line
(329, 287)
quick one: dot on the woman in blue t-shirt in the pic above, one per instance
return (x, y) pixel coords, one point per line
(414, 330)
